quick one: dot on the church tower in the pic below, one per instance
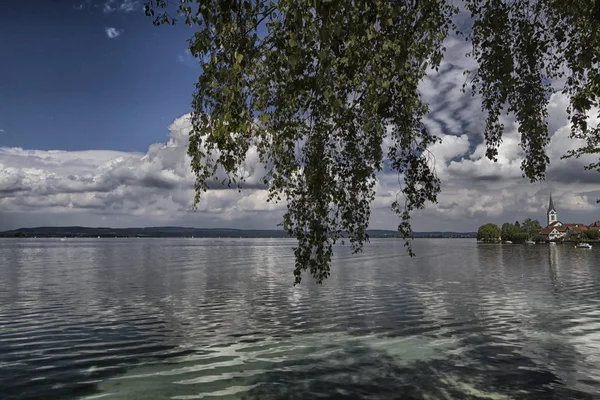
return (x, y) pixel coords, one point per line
(552, 215)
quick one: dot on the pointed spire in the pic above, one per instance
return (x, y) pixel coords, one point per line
(551, 204)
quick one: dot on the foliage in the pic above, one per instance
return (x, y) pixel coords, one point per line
(488, 233)
(14, 234)
(318, 93)
(591, 234)
(538, 238)
(522, 46)
(514, 233)
(320, 86)
(507, 231)
(518, 233)
(532, 227)
(519, 236)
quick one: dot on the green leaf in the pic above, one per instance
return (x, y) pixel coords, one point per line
(330, 81)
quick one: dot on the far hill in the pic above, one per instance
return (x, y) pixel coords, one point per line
(178, 231)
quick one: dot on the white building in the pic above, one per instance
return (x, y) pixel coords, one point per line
(556, 229)
(552, 214)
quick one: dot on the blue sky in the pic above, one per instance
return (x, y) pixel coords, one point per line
(65, 84)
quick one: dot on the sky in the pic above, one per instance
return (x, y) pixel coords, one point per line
(94, 118)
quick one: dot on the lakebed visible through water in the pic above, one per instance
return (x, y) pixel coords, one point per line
(220, 319)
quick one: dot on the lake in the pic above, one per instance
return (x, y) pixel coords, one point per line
(120, 319)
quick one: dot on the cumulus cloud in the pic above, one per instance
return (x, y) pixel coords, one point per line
(113, 33)
(476, 190)
(119, 189)
(155, 187)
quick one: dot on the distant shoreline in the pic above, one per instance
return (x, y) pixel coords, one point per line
(174, 232)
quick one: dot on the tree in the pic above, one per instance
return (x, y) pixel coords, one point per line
(519, 236)
(488, 233)
(532, 227)
(591, 234)
(319, 87)
(514, 233)
(538, 238)
(508, 231)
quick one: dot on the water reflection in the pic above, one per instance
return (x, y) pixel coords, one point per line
(189, 318)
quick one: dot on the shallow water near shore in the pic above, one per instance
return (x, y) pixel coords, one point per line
(220, 319)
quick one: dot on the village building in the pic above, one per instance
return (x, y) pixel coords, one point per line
(557, 230)
(595, 226)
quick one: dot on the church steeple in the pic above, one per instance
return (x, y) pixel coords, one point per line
(552, 214)
(551, 204)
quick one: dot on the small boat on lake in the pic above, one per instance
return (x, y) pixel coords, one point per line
(529, 242)
(583, 246)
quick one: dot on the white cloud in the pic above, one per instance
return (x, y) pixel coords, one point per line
(576, 202)
(475, 189)
(184, 56)
(113, 33)
(82, 4)
(129, 5)
(120, 5)
(156, 187)
(108, 7)
(1, 130)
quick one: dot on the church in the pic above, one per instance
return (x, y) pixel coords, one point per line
(557, 230)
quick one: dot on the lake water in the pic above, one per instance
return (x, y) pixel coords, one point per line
(220, 319)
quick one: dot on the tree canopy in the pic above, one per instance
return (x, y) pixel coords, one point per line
(327, 90)
(532, 227)
(591, 234)
(488, 233)
(513, 232)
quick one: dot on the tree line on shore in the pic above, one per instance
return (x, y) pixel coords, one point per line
(528, 230)
(517, 233)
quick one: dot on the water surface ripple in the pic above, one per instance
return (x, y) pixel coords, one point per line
(220, 319)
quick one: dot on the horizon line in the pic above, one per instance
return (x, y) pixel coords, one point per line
(201, 228)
